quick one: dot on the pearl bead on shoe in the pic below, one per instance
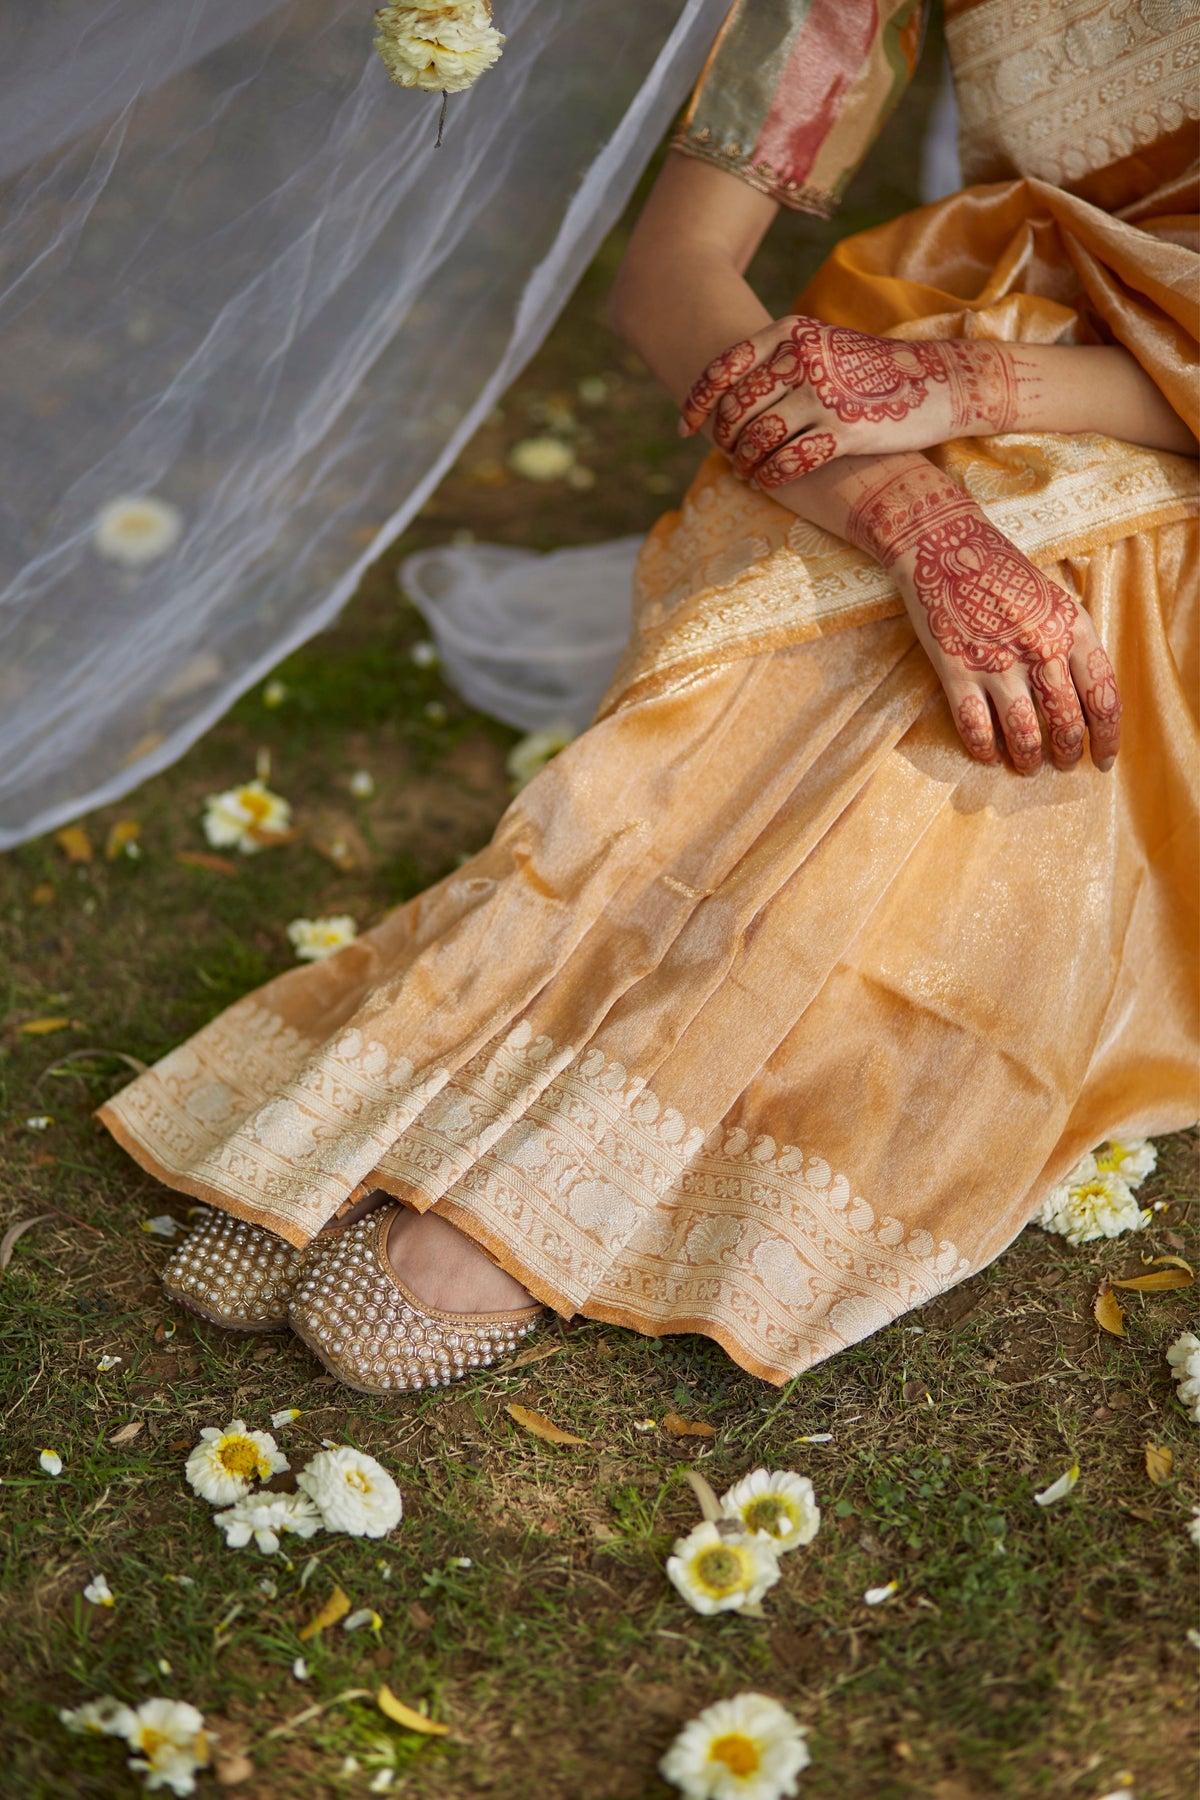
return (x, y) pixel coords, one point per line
(233, 1274)
(358, 1318)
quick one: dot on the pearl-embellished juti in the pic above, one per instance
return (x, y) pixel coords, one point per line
(358, 1318)
(233, 1274)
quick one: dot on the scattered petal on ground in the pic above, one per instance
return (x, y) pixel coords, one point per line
(1058, 1489)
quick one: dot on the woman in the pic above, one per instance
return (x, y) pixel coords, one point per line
(778, 1001)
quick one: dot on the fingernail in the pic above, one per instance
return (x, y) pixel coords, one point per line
(1106, 765)
(683, 428)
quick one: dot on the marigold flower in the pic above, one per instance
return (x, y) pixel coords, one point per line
(746, 1748)
(720, 1569)
(779, 1505)
(315, 939)
(352, 1492)
(224, 1463)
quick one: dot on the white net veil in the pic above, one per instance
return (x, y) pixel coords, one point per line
(236, 276)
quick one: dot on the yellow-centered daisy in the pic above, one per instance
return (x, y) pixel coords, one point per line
(718, 1568)
(776, 1504)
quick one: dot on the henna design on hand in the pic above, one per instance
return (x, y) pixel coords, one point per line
(975, 728)
(1102, 699)
(798, 458)
(716, 379)
(756, 443)
(859, 377)
(983, 381)
(1023, 732)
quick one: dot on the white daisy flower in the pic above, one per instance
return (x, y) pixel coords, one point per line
(1058, 1490)
(287, 1415)
(104, 1718)
(1130, 1158)
(352, 1492)
(224, 1463)
(747, 1748)
(779, 1505)
(315, 939)
(245, 817)
(39, 1122)
(172, 1744)
(98, 1592)
(425, 654)
(529, 757)
(1184, 1358)
(136, 531)
(264, 1517)
(439, 45)
(362, 784)
(541, 459)
(719, 1570)
(51, 1461)
(1091, 1203)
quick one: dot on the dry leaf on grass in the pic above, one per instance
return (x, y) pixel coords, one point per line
(1166, 1272)
(400, 1714)
(680, 1427)
(8, 1242)
(231, 1771)
(1159, 1463)
(1106, 1310)
(335, 1608)
(204, 859)
(120, 836)
(421, 1620)
(535, 1353)
(41, 1027)
(539, 1426)
(127, 1433)
(75, 844)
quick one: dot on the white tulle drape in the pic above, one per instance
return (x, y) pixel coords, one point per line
(235, 275)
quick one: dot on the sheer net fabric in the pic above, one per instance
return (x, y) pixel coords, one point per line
(238, 277)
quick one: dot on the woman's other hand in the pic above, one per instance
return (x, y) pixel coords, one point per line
(799, 393)
(1011, 648)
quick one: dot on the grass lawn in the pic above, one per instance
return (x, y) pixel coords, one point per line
(1026, 1652)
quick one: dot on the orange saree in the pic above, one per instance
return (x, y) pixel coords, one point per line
(767, 1013)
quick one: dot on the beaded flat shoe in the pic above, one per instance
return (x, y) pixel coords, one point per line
(358, 1318)
(233, 1274)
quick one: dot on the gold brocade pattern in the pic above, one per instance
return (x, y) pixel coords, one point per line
(1060, 91)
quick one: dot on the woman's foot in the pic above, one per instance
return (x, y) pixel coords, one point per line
(375, 1332)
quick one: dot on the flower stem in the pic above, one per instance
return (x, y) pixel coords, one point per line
(442, 119)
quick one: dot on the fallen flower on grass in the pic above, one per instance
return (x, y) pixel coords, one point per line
(1091, 1203)
(1130, 1158)
(365, 1615)
(315, 939)
(530, 756)
(745, 1748)
(541, 459)
(287, 1415)
(780, 1506)
(51, 1462)
(168, 1736)
(1058, 1489)
(352, 1492)
(98, 1592)
(877, 1595)
(246, 818)
(106, 1364)
(105, 1717)
(817, 1437)
(1193, 1528)
(39, 1122)
(161, 1225)
(224, 1463)
(274, 693)
(717, 1568)
(136, 529)
(299, 1669)
(362, 784)
(265, 1517)
(1184, 1359)
(424, 654)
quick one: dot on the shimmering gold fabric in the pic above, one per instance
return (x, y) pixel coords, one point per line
(767, 1013)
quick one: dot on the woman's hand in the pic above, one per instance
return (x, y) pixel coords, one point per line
(799, 393)
(1007, 643)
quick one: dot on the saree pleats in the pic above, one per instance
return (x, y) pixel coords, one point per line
(767, 1013)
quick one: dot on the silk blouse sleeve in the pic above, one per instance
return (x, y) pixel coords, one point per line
(795, 91)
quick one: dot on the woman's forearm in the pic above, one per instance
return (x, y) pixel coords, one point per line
(1061, 388)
